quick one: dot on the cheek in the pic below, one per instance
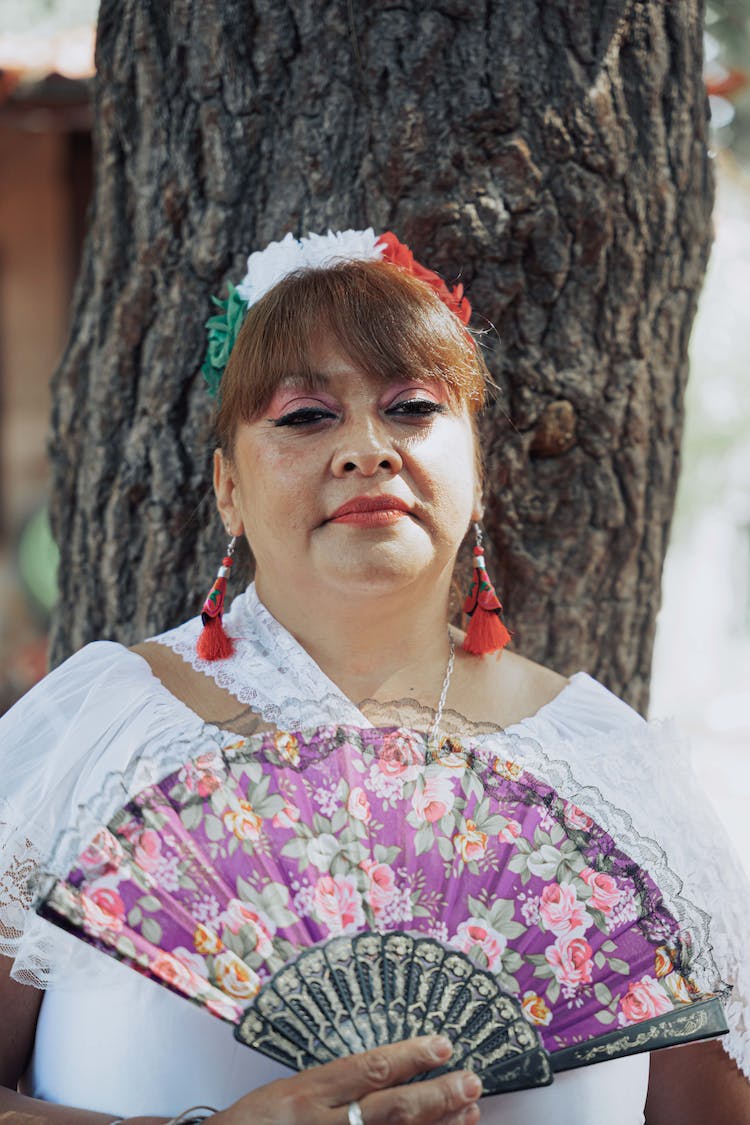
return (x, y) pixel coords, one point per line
(451, 467)
(278, 493)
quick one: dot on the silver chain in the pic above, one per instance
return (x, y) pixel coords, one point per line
(433, 731)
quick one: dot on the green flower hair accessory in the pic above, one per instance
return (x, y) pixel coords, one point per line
(223, 329)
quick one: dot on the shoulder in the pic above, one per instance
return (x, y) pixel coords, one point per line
(196, 690)
(159, 658)
(74, 682)
(532, 685)
(99, 690)
(86, 714)
(504, 687)
(509, 689)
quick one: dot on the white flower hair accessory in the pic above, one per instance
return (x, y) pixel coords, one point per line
(266, 268)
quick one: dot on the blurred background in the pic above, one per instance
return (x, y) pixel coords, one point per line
(702, 658)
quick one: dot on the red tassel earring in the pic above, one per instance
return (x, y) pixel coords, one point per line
(213, 643)
(486, 632)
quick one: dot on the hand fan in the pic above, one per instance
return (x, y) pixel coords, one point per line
(331, 890)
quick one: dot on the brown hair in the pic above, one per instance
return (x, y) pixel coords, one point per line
(385, 319)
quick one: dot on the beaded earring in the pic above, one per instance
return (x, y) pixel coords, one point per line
(213, 643)
(486, 632)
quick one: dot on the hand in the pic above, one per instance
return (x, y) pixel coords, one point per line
(375, 1079)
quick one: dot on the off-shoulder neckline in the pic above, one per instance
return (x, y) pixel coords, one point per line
(575, 682)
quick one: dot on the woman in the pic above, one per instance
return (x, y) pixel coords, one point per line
(348, 459)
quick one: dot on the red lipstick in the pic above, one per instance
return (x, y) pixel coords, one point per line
(370, 511)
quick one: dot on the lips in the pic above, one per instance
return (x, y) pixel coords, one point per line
(365, 505)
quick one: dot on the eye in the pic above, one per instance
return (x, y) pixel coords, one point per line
(417, 408)
(305, 416)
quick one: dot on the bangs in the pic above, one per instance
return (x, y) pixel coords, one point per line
(385, 320)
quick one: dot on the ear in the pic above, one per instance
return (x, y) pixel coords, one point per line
(227, 494)
(477, 511)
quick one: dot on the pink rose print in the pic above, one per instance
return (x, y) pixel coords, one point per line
(561, 911)
(570, 958)
(210, 769)
(476, 932)
(130, 831)
(191, 961)
(198, 776)
(643, 1000)
(605, 892)
(104, 854)
(382, 885)
(510, 833)
(147, 851)
(207, 784)
(103, 910)
(470, 844)
(400, 756)
(575, 817)
(338, 904)
(288, 816)
(435, 800)
(358, 806)
(174, 972)
(239, 914)
(225, 1008)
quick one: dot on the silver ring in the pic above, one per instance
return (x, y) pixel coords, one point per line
(355, 1114)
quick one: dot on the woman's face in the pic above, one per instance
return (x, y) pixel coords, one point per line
(305, 476)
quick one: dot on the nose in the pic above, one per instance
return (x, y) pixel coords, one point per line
(366, 451)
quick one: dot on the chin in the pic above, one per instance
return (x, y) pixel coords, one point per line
(378, 569)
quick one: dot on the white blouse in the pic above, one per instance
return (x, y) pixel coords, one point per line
(94, 732)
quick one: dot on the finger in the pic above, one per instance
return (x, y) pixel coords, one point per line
(423, 1103)
(352, 1078)
(468, 1116)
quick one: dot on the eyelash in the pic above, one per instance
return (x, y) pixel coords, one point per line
(412, 407)
(305, 416)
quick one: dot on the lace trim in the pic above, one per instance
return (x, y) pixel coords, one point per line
(267, 663)
(40, 951)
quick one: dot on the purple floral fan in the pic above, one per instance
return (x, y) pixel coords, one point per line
(238, 877)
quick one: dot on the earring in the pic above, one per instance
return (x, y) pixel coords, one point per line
(213, 643)
(486, 631)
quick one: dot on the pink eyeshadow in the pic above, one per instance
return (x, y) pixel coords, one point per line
(295, 398)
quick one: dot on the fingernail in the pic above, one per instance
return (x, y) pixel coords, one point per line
(472, 1086)
(441, 1047)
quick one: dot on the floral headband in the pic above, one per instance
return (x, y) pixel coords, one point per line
(265, 268)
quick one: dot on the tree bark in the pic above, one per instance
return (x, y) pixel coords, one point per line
(551, 155)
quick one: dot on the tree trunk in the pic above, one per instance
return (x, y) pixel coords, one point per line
(551, 155)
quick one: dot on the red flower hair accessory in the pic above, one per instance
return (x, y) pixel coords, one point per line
(400, 254)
